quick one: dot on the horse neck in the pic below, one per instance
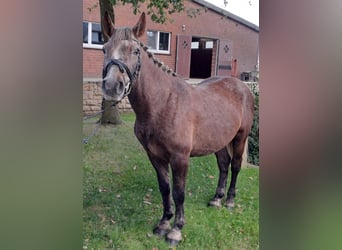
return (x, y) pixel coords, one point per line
(152, 88)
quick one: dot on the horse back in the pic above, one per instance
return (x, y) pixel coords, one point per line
(227, 94)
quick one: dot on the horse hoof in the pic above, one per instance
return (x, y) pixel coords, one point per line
(172, 243)
(215, 203)
(230, 204)
(174, 237)
(160, 232)
(163, 228)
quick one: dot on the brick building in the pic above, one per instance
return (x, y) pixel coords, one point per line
(215, 42)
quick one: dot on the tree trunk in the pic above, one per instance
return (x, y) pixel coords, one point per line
(111, 113)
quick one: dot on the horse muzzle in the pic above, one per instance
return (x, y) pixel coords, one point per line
(117, 88)
(113, 91)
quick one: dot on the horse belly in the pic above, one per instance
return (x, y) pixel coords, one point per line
(163, 143)
(210, 140)
(217, 119)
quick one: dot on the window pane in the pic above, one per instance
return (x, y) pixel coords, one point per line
(163, 41)
(195, 45)
(85, 32)
(209, 44)
(96, 34)
(96, 27)
(152, 39)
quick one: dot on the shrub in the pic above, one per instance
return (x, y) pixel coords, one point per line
(253, 139)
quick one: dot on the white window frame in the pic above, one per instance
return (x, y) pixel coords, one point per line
(89, 44)
(168, 51)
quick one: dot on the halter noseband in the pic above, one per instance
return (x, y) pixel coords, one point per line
(124, 68)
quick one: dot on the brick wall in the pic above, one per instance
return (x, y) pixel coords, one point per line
(94, 14)
(92, 98)
(208, 24)
(92, 63)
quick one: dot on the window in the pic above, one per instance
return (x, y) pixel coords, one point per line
(209, 44)
(96, 34)
(195, 45)
(158, 41)
(92, 35)
(85, 32)
(202, 43)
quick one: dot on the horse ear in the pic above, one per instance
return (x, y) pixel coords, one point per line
(139, 28)
(108, 25)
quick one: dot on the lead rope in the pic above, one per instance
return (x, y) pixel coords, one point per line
(86, 139)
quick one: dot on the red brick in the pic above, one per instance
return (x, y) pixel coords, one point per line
(208, 24)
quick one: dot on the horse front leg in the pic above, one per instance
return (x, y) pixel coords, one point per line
(162, 170)
(179, 165)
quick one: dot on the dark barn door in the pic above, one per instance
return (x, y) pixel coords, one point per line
(201, 58)
(224, 67)
(183, 55)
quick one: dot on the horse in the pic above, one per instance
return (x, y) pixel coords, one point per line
(176, 121)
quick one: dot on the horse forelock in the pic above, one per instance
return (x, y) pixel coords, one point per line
(123, 34)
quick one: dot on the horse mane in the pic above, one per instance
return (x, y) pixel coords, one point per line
(160, 64)
(127, 34)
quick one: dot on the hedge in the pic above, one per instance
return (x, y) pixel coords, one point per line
(253, 139)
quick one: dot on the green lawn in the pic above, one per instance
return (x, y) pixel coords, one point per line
(122, 202)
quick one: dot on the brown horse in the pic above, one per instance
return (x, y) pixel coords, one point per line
(174, 120)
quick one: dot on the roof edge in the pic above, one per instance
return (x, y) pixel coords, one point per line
(227, 14)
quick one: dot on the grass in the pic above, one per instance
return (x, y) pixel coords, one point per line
(122, 202)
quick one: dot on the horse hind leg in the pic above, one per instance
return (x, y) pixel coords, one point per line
(238, 144)
(223, 160)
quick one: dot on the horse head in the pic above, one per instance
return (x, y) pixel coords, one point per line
(122, 58)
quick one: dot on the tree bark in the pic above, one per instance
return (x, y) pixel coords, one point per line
(111, 113)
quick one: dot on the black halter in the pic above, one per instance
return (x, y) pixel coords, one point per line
(124, 68)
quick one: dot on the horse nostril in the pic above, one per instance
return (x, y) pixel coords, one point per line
(119, 88)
